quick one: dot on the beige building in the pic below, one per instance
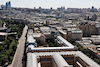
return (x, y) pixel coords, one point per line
(86, 44)
(68, 25)
(60, 59)
(74, 34)
(46, 31)
(39, 37)
(36, 30)
(88, 28)
(94, 38)
(63, 33)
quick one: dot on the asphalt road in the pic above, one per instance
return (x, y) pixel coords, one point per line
(17, 60)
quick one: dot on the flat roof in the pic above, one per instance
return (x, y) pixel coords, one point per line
(44, 28)
(62, 31)
(31, 39)
(86, 44)
(1, 28)
(52, 48)
(69, 25)
(58, 27)
(36, 34)
(68, 22)
(93, 38)
(30, 32)
(36, 28)
(78, 53)
(65, 41)
(73, 29)
(77, 31)
(3, 33)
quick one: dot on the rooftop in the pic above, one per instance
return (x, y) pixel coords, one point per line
(87, 43)
(65, 41)
(73, 29)
(44, 28)
(3, 34)
(77, 31)
(36, 34)
(62, 31)
(31, 39)
(78, 53)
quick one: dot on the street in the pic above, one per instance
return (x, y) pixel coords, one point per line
(17, 60)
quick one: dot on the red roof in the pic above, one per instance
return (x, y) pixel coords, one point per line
(98, 53)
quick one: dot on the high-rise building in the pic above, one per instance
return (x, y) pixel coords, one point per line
(93, 9)
(8, 5)
(61, 8)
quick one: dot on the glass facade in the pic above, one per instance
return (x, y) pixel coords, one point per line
(8, 5)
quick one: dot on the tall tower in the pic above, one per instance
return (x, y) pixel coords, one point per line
(9, 4)
(6, 5)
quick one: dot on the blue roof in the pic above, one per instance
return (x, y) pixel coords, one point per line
(31, 43)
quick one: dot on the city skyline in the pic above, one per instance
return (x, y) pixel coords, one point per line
(49, 33)
(53, 3)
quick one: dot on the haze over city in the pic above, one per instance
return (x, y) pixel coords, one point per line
(49, 33)
(53, 3)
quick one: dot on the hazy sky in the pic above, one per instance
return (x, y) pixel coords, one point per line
(53, 3)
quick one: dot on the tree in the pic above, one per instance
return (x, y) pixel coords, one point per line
(8, 47)
(3, 58)
(88, 54)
